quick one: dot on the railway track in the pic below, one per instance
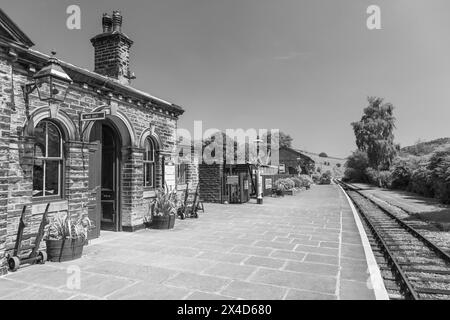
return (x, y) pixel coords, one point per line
(420, 268)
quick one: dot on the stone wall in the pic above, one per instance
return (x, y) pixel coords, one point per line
(5, 120)
(210, 179)
(17, 148)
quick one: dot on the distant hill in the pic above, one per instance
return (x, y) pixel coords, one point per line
(335, 165)
(427, 148)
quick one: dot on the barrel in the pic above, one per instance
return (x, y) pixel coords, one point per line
(64, 250)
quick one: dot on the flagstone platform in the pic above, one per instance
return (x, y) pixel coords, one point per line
(306, 246)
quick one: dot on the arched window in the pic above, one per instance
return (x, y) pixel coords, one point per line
(149, 163)
(48, 160)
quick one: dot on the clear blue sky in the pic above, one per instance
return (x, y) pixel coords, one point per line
(303, 66)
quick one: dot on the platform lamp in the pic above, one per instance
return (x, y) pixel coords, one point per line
(259, 199)
(52, 84)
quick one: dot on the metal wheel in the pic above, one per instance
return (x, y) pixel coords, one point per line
(42, 257)
(14, 263)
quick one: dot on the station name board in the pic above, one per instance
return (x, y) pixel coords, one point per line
(93, 116)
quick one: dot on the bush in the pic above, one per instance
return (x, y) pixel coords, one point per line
(421, 182)
(284, 184)
(382, 179)
(355, 167)
(401, 174)
(439, 170)
(303, 181)
(325, 178)
(297, 182)
(323, 155)
(316, 178)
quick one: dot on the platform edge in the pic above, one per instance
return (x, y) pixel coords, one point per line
(374, 271)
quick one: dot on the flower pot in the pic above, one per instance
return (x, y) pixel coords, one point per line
(64, 250)
(163, 222)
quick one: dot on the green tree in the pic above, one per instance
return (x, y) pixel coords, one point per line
(374, 133)
(355, 166)
(285, 140)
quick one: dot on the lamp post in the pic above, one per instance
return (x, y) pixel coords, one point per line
(299, 165)
(259, 199)
(52, 84)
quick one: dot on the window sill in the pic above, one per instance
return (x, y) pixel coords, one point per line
(56, 204)
(40, 200)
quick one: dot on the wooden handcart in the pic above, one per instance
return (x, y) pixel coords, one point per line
(36, 256)
(190, 210)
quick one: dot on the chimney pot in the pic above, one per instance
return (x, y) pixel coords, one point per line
(117, 21)
(112, 49)
(107, 23)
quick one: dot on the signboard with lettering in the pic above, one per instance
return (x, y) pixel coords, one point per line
(169, 176)
(93, 116)
(282, 168)
(268, 183)
(232, 179)
(245, 184)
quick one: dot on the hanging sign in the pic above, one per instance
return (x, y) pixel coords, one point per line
(169, 176)
(93, 116)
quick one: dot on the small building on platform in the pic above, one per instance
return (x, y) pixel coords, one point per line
(295, 162)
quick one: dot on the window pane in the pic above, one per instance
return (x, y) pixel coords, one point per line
(151, 153)
(146, 150)
(43, 86)
(54, 141)
(148, 174)
(52, 178)
(38, 178)
(152, 174)
(39, 146)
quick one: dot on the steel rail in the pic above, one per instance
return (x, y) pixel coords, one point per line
(406, 226)
(406, 286)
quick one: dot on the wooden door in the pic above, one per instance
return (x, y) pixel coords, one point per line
(94, 206)
(109, 180)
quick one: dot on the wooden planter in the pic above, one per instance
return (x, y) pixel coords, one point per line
(164, 222)
(64, 250)
(291, 192)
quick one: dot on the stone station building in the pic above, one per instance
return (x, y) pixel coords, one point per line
(108, 169)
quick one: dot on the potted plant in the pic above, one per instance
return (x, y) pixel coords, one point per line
(286, 186)
(163, 210)
(66, 238)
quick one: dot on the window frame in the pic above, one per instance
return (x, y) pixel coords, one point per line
(60, 160)
(149, 163)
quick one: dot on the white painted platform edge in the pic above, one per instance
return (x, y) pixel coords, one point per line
(374, 271)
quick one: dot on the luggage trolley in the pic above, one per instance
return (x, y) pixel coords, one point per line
(36, 256)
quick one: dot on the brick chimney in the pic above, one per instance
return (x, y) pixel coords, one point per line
(112, 49)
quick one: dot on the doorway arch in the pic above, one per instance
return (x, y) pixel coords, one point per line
(108, 139)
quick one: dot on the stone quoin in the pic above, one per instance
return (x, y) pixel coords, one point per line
(108, 169)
